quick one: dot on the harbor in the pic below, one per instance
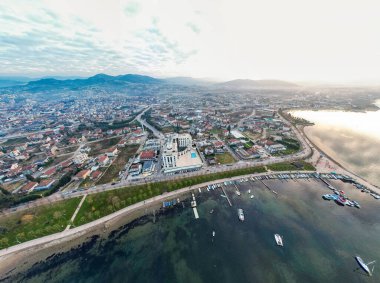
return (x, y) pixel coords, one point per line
(296, 214)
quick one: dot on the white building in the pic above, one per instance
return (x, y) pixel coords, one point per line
(80, 158)
(178, 154)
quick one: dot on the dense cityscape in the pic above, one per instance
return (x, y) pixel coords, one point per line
(189, 141)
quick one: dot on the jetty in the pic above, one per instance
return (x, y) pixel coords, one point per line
(194, 206)
(228, 199)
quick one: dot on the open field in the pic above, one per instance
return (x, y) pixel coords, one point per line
(36, 222)
(14, 141)
(67, 149)
(101, 146)
(113, 170)
(224, 158)
(252, 136)
(290, 166)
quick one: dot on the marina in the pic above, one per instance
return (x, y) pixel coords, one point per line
(293, 214)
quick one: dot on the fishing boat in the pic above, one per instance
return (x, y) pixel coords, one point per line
(241, 214)
(278, 239)
(365, 266)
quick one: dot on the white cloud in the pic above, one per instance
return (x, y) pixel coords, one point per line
(294, 39)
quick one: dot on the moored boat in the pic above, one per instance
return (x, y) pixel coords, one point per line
(278, 239)
(241, 214)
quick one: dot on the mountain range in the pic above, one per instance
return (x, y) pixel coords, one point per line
(251, 84)
(130, 80)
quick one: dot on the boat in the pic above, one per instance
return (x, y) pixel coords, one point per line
(238, 193)
(211, 211)
(240, 214)
(213, 233)
(356, 204)
(364, 265)
(252, 196)
(249, 191)
(328, 197)
(341, 200)
(278, 239)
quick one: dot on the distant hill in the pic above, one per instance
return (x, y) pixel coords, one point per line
(97, 80)
(251, 84)
(188, 81)
(6, 81)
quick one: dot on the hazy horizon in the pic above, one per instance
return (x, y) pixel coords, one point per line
(321, 42)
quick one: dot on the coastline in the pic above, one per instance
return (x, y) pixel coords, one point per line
(21, 257)
(343, 168)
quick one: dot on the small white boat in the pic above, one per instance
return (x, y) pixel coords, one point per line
(241, 214)
(278, 239)
(238, 193)
(365, 266)
(249, 191)
(213, 233)
(252, 196)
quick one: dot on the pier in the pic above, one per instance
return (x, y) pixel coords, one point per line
(265, 185)
(273, 191)
(228, 199)
(194, 206)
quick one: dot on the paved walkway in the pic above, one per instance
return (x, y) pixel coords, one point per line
(66, 235)
(76, 212)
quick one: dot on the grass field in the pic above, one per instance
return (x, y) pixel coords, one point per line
(224, 158)
(101, 204)
(290, 166)
(14, 141)
(36, 222)
(101, 146)
(113, 170)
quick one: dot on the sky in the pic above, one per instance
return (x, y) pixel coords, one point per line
(295, 40)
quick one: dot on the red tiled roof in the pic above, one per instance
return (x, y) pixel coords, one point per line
(102, 158)
(51, 171)
(82, 173)
(29, 186)
(147, 154)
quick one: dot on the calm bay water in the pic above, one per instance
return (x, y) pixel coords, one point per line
(320, 238)
(351, 138)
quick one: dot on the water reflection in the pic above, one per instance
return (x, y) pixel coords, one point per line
(353, 139)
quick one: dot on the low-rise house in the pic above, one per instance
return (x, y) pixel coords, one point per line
(80, 158)
(27, 188)
(113, 151)
(135, 169)
(83, 174)
(45, 185)
(95, 175)
(49, 172)
(103, 160)
(274, 148)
